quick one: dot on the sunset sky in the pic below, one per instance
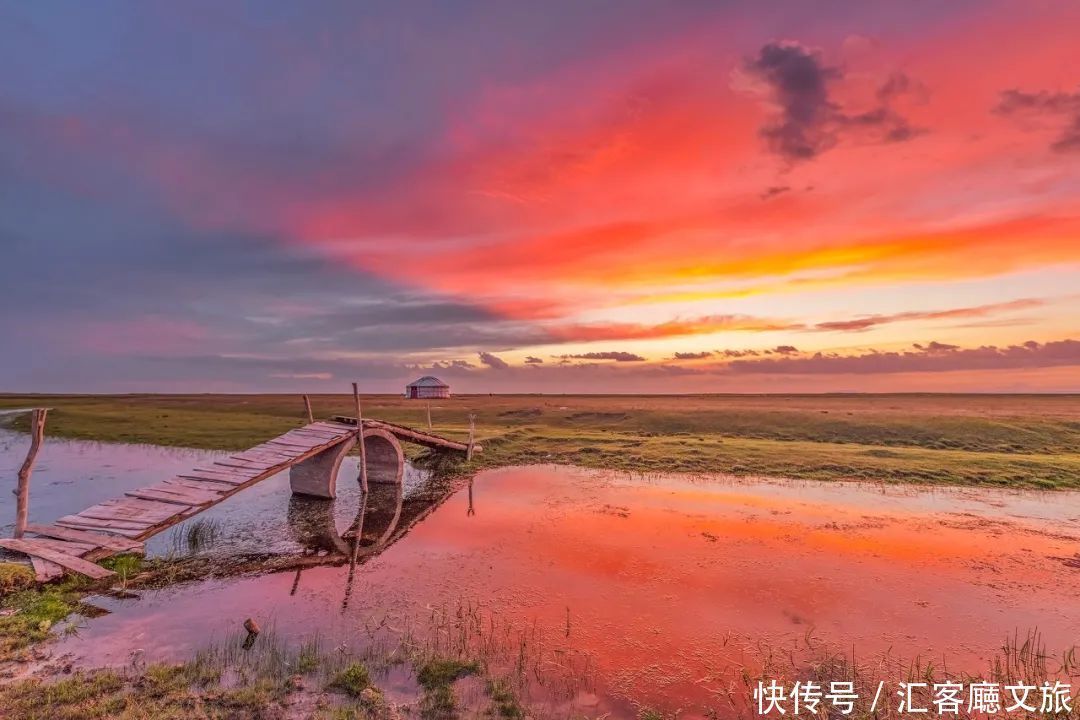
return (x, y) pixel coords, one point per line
(540, 197)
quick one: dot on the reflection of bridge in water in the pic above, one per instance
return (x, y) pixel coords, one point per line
(312, 454)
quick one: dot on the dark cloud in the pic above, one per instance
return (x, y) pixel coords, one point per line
(870, 321)
(799, 83)
(809, 121)
(1044, 102)
(452, 365)
(493, 361)
(774, 190)
(692, 355)
(530, 360)
(785, 350)
(898, 85)
(933, 357)
(739, 353)
(616, 355)
(935, 347)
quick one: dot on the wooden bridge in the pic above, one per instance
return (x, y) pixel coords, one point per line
(312, 454)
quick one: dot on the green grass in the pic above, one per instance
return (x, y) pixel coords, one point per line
(353, 680)
(436, 676)
(14, 577)
(435, 672)
(1027, 441)
(29, 614)
(164, 691)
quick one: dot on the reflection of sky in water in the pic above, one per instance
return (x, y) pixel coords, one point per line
(664, 581)
(71, 475)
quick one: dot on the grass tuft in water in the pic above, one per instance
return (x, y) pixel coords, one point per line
(435, 672)
(353, 680)
(125, 566)
(195, 536)
(504, 701)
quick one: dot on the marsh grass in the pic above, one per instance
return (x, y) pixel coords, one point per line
(993, 440)
(1021, 659)
(224, 680)
(195, 536)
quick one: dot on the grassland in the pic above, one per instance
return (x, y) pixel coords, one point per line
(1030, 441)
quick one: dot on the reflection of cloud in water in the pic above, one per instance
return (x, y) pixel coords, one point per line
(666, 584)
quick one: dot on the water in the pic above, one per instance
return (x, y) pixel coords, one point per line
(619, 590)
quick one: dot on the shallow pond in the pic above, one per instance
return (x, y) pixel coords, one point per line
(619, 591)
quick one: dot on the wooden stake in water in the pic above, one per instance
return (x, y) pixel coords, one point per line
(307, 406)
(472, 437)
(22, 493)
(360, 435)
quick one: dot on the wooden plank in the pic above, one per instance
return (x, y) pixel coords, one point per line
(216, 469)
(252, 469)
(78, 549)
(306, 441)
(259, 458)
(241, 467)
(133, 510)
(267, 449)
(286, 442)
(339, 429)
(318, 427)
(212, 491)
(210, 486)
(411, 435)
(174, 498)
(224, 475)
(320, 435)
(309, 429)
(99, 523)
(34, 548)
(126, 532)
(251, 461)
(289, 438)
(291, 451)
(261, 453)
(45, 571)
(325, 435)
(105, 541)
(212, 476)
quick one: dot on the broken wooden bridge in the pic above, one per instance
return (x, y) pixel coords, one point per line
(312, 454)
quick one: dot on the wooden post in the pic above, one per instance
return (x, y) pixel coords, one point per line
(429, 416)
(472, 437)
(37, 434)
(307, 405)
(360, 436)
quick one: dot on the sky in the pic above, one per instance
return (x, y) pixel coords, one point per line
(623, 196)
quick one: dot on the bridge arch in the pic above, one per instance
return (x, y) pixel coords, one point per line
(317, 475)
